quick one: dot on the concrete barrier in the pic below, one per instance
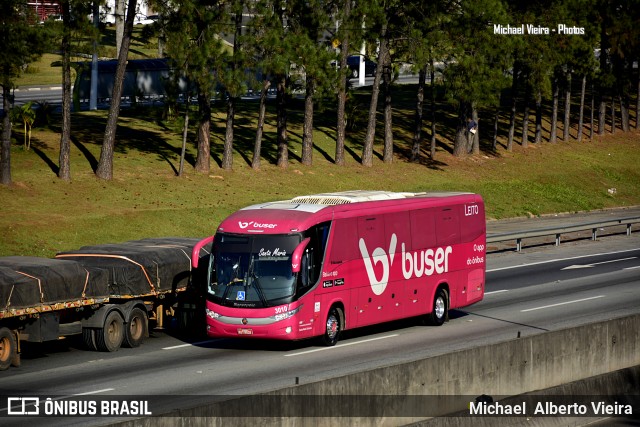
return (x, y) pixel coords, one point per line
(408, 392)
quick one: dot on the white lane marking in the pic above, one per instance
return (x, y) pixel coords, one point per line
(104, 390)
(188, 345)
(631, 268)
(497, 292)
(340, 346)
(575, 266)
(561, 303)
(559, 259)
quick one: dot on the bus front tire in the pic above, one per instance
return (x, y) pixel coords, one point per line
(333, 327)
(439, 308)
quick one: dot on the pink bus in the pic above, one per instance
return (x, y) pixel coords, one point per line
(316, 265)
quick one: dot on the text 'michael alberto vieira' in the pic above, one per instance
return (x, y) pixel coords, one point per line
(549, 408)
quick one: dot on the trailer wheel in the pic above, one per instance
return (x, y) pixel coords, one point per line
(333, 327)
(439, 308)
(8, 348)
(89, 338)
(136, 329)
(110, 336)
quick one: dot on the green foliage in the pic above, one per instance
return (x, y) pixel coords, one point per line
(21, 42)
(478, 58)
(25, 115)
(44, 112)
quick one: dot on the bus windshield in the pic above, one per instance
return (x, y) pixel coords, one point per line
(252, 271)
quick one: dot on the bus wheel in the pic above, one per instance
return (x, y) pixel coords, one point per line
(137, 328)
(439, 309)
(110, 336)
(8, 348)
(332, 327)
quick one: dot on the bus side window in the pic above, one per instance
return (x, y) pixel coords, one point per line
(311, 262)
(448, 226)
(344, 246)
(423, 228)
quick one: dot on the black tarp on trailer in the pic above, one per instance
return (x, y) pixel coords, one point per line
(140, 267)
(28, 282)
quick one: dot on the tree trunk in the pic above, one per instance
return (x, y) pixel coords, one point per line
(105, 164)
(554, 112)
(475, 137)
(367, 149)
(432, 76)
(514, 107)
(583, 89)
(64, 172)
(638, 102)
(525, 119)
(417, 129)
(613, 114)
(227, 154)
(307, 129)
(185, 131)
(461, 139)
(387, 153)
(538, 137)
(592, 111)
(567, 111)
(5, 150)
(342, 88)
(602, 107)
(283, 144)
(624, 112)
(257, 147)
(119, 24)
(203, 160)
(496, 119)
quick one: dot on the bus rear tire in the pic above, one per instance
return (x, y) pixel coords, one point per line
(439, 308)
(8, 348)
(136, 329)
(333, 327)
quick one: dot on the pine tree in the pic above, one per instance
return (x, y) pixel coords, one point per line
(21, 43)
(105, 164)
(477, 72)
(196, 53)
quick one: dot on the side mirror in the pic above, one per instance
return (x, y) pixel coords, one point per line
(195, 252)
(296, 258)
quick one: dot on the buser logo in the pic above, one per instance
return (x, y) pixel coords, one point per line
(256, 224)
(419, 263)
(378, 256)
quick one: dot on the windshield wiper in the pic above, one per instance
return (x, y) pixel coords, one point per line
(252, 274)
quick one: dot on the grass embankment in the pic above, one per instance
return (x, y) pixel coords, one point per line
(42, 215)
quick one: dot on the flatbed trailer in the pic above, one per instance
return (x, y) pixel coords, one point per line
(107, 293)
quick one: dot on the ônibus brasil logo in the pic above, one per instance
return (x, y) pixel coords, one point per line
(419, 263)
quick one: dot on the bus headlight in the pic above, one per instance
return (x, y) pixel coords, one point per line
(212, 314)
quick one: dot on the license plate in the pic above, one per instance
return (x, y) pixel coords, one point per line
(245, 331)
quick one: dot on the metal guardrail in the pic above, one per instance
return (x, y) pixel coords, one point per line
(559, 231)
